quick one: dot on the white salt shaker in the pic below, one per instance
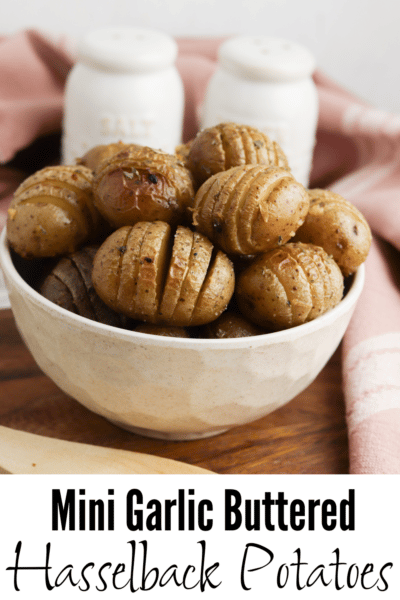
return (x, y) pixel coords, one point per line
(124, 87)
(266, 83)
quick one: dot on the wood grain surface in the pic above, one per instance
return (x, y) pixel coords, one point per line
(308, 435)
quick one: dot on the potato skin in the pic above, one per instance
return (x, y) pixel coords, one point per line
(179, 332)
(142, 184)
(52, 212)
(95, 156)
(231, 325)
(69, 285)
(249, 209)
(288, 286)
(227, 145)
(339, 227)
(134, 264)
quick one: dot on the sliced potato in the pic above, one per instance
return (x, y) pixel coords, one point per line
(289, 286)
(52, 212)
(177, 271)
(250, 209)
(153, 263)
(107, 266)
(216, 292)
(126, 296)
(200, 257)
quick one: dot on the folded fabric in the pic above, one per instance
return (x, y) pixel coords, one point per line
(357, 155)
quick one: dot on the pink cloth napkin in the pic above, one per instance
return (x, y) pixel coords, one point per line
(357, 155)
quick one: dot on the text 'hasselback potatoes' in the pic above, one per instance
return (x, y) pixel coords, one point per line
(52, 212)
(146, 273)
(250, 209)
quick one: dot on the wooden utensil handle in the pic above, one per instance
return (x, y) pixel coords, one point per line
(28, 453)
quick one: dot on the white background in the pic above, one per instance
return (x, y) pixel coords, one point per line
(374, 541)
(356, 42)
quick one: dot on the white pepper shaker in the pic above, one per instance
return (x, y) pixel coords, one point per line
(266, 83)
(124, 87)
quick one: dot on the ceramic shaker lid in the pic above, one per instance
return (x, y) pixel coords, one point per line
(131, 50)
(266, 58)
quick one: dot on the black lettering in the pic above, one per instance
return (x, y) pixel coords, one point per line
(244, 568)
(16, 568)
(154, 520)
(233, 516)
(369, 568)
(268, 502)
(319, 570)
(298, 564)
(347, 513)
(96, 507)
(107, 565)
(297, 510)
(328, 510)
(63, 510)
(89, 565)
(134, 518)
(385, 583)
(279, 576)
(205, 524)
(281, 503)
(252, 523)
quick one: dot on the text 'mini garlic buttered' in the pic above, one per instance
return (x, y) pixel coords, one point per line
(147, 273)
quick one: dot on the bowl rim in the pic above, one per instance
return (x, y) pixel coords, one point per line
(264, 339)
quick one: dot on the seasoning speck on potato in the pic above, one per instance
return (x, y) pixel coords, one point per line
(229, 145)
(339, 227)
(250, 209)
(161, 279)
(52, 212)
(288, 286)
(142, 184)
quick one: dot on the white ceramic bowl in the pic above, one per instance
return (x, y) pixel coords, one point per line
(173, 388)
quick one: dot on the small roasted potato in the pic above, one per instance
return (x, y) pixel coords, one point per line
(69, 285)
(335, 224)
(52, 212)
(179, 332)
(289, 286)
(229, 145)
(142, 184)
(231, 325)
(182, 152)
(93, 157)
(250, 209)
(146, 273)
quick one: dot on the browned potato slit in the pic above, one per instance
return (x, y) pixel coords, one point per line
(177, 269)
(126, 295)
(199, 261)
(67, 272)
